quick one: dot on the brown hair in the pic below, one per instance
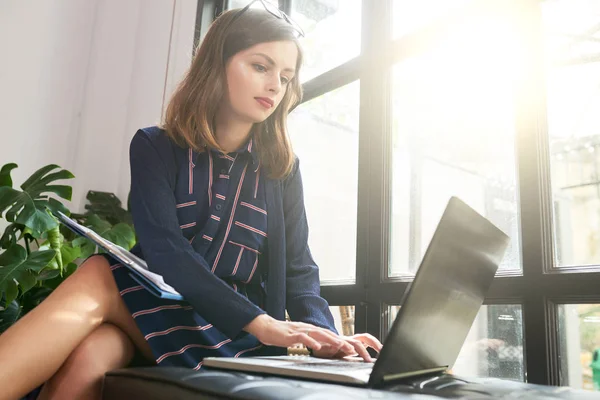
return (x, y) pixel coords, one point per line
(189, 118)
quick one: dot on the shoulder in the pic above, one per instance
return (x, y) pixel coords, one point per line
(152, 145)
(153, 136)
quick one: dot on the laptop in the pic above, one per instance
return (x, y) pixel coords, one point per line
(436, 315)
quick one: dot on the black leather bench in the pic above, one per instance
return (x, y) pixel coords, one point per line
(152, 383)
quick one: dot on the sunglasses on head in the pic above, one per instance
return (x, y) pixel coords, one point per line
(276, 12)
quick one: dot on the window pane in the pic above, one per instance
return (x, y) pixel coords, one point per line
(244, 3)
(332, 30)
(579, 339)
(324, 134)
(494, 345)
(410, 15)
(573, 93)
(344, 319)
(454, 135)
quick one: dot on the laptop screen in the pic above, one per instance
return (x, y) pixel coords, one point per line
(445, 296)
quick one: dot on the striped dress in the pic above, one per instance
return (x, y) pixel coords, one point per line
(221, 211)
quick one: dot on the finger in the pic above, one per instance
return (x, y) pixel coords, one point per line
(304, 326)
(361, 350)
(324, 338)
(327, 351)
(369, 340)
(306, 340)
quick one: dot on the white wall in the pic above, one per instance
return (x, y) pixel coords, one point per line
(79, 77)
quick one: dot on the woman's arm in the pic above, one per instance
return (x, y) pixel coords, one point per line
(168, 252)
(303, 300)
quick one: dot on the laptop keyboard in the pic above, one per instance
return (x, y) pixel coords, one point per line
(342, 365)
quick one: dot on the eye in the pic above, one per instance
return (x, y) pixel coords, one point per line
(259, 68)
(284, 80)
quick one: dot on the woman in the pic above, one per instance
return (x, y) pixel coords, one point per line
(217, 203)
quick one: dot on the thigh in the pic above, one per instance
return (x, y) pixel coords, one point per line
(117, 312)
(106, 348)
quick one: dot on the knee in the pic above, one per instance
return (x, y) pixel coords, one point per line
(106, 348)
(95, 278)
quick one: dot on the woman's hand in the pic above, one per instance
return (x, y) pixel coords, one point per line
(273, 332)
(359, 344)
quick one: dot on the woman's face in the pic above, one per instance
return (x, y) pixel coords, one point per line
(257, 79)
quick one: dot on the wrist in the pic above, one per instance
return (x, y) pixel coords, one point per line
(258, 324)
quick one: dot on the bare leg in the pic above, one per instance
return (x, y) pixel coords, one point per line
(80, 377)
(34, 348)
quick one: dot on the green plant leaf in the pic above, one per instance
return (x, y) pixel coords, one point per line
(40, 178)
(28, 207)
(36, 219)
(11, 292)
(55, 206)
(26, 280)
(9, 237)
(97, 224)
(69, 253)
(86, 247)
(108, 207)
(5, 179)
(122, 235)
(9, 315)
(48, 274)
(70, 269)
(14, 263)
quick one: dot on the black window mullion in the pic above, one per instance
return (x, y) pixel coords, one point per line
(374, 158)
(206, 12)
(535, 197)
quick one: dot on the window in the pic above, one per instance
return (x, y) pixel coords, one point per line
(454, 135)
(579, 339)
(324, 134)
(494, 344)
(344, 319)
(410, 15)
(492, 101)
(332, 30)
(573, 85)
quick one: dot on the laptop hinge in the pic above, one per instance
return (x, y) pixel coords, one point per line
(403, 375)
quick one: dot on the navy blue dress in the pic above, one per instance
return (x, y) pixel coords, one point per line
(222, 210)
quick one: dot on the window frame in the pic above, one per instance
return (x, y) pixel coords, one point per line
(540, 287)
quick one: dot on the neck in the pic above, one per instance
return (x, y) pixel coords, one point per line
(231, 133)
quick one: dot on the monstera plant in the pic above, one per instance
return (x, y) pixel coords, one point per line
(37, 252)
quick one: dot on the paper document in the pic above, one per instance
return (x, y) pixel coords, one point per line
(139, 268)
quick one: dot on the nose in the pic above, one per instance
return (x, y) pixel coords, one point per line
(274, 84)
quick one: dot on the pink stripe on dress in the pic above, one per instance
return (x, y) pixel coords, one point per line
(235, 200)
(197, 367)
(243, 203)
(247, 350)
(244, 246)
(210, 177)
(189, 346)
(253, 270)
(191, 173)
(189, 203)
(177, 328)
(250, 228)
(188, 225)
(256, 184)
(157, 309)
(237, 263)
(131, 289)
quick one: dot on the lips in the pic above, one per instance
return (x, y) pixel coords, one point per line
(265, 102)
